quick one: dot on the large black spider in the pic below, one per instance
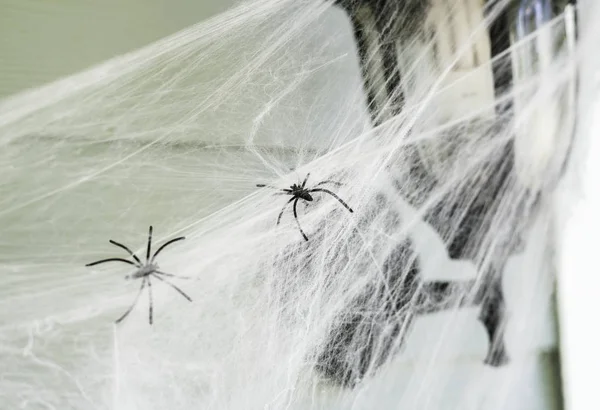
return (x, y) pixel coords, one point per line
(145, 271)
(299, 192)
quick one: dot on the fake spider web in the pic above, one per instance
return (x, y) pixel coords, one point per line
(178, 134)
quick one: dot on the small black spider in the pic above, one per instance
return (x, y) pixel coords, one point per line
(301, 192)
(145, 271)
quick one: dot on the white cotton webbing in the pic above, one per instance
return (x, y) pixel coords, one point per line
(178, 134)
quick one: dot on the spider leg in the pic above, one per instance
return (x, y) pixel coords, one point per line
(329, 181)
(150, 298)
(283, 209)
(281, 191)
(305, 179)
(181, 292)
(134, 302)
(164, 245)
(111, 260)
(120, 245)
(149, 244)
(284, 192)
(333, 195)
(171, 275)
(298, 222)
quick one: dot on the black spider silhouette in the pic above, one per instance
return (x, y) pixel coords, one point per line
(301, 192)
(145, 271)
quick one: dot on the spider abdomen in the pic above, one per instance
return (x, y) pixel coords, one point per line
(145, 271)
(306, 196)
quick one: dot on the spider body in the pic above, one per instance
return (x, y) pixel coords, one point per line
(299, 192)
(145, 271)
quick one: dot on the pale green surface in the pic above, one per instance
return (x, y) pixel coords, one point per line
(59, 224)
(43, 40)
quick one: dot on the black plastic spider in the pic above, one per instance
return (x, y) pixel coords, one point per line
(301, 192)
(145, 271)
